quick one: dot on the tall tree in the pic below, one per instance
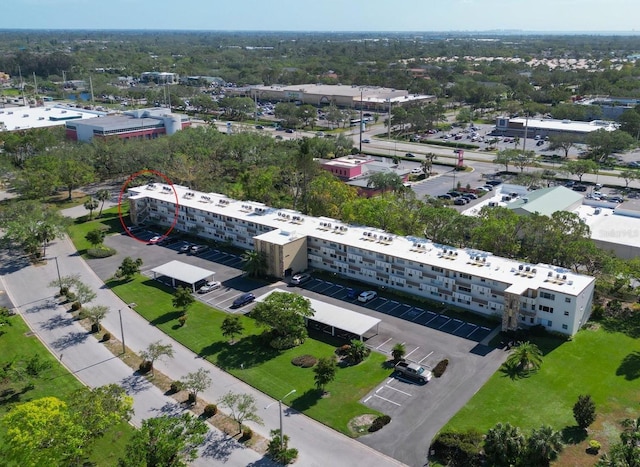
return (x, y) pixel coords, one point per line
(129, 268)
(584, 411)
(242, 408)
(95, 237)
(96, 314)
(167, 441)
(182, 299)
(156, 351)
(254, 263)
(231, 327)
(562, 141)
(196, 382)
(74, 172)
(102, 196)
(525, 357)
(91, 205)
(324, 372)
(357, 351)
(543, 446)
(98, 409)
(580, 167)
(285, 314)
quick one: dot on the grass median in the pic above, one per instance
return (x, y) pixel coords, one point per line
(55, 381)
(268, 370)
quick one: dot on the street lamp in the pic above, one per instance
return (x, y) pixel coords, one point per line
(124, 347)
(280, 409)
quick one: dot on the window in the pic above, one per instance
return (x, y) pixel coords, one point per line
(549, 323)
(566, 313)
(548, 296)
(465, 276)
(548, 309)
(437, 269)
(564, 326)
(567, 299)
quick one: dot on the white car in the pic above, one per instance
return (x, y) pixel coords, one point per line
(416, 171)
(299, 279)
(209, 286)
(367, 296)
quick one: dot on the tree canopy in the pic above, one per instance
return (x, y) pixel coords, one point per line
(284, 313)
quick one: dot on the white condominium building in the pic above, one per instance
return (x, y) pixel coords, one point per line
(520, 294)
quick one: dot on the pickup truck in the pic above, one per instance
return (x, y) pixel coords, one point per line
(413, 371)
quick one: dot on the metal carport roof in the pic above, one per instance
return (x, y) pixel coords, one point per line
(183, 272)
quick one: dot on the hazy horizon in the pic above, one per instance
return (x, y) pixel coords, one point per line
(417, 16)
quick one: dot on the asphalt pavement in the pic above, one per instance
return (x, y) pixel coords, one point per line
(94, 365)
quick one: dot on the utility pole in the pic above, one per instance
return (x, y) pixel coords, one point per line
(361, 122)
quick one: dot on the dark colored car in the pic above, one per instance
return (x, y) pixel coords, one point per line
(288, 130)
(352, 294)
(494, 182)
(461, 201)
(243, 300)
(410, 155)
(579, 188)
(445, 196)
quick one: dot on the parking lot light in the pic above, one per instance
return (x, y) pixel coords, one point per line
(280, 409)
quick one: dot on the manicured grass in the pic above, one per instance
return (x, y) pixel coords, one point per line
(604, 364)
(57, 382)
(109, 221)
(249, 359)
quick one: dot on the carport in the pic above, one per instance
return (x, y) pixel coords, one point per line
(177, 270)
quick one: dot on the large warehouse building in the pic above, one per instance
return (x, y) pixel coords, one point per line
(133, 124)
(543, 127)
(371, 97)
(520, 294)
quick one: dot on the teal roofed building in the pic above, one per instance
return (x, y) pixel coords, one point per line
(546, 201)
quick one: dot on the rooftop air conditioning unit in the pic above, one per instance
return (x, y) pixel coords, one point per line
(527, 269)
(534, 270)
(520, 267)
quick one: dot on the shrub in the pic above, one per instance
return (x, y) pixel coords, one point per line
(379, 422)
(177, 386)
(191, 398)
(103, 252)
(304, 361)
(459, 448)
(145, 366)
(95, 328)
(75, 306)
(343, 349)
(594, 447)
(210, 410)
(182, 320)
(106, 336)
(70, 295)
(438, 371)
(285, 342)
(247, 433)
(64, 290)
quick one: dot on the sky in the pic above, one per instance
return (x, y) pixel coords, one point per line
(324, 15)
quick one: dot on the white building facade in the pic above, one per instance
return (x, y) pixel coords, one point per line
(519, 294)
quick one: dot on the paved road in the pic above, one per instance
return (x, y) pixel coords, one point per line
(95, 366)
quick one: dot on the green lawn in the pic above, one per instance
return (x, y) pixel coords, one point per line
(57, 382)
(269, 371)
(604, 364)
(109, 221)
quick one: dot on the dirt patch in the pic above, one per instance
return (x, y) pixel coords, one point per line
(359, 425)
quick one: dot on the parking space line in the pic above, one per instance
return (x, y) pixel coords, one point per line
(383, 304)
(391, 310)
(444, 324)
(418, 316)
(486, 329)
(367, 399)
(408, 310)
(456, 329)
(428, 355)
(435, 315)
(405, 393)
(337, 291)
(385, 399)
(411, 352)
(377, 348)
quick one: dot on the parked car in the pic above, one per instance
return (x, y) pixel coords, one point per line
(416, 171)
(288, 130)
(413, 371)
(156, 239)
(470, 196)
(243, 299)
(209, 286)
(186, 248)
(461, 201)
(616, 199)
(367, 296)
(410, 155)
(300, 278)
(259, 127)
(196, 249)
(579, 188)
(352, 294)
(278, 136)
(445, 196)
(483, 188)
(366, 140)
(488, 187)
(495, 182)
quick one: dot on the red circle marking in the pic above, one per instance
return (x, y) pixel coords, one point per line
(124, 188)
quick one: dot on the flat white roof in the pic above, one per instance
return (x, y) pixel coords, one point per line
(183, 272)
(564, 125)
(415, 251)
(607, 226)
(23, 118)
(335, 316)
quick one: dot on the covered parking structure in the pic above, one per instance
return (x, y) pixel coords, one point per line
(183, 272)
(334, 319)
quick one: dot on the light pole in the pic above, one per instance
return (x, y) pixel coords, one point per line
(58, 271)
(361, 122)
(124, 347)
(280, 409)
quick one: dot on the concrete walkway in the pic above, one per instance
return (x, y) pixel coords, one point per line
(94, 365)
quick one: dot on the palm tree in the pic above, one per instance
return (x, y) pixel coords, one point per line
(255, 263)
(358, 351)
(543, 446)
(90, 205)
(398, 351)
(525, 357)
(504, 445)
(102, 196)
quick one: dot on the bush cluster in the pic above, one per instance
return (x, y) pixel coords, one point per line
(379, 422)
(304, 361)
(145, 366)
(209, 410)
(438, 371)
(103, 252)
(459, 448)
(75, 306)
(247, 433)
(343, 349)
(106, 336)
(176, 386)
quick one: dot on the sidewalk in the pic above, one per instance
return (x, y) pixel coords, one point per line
(94, 365)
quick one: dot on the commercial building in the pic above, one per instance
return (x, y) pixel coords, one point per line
(365, 97)
(132, 124)
(546, 201)
(159, 77)
(519, 294)
(608, 107)
(26, 117)
(543, 127)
